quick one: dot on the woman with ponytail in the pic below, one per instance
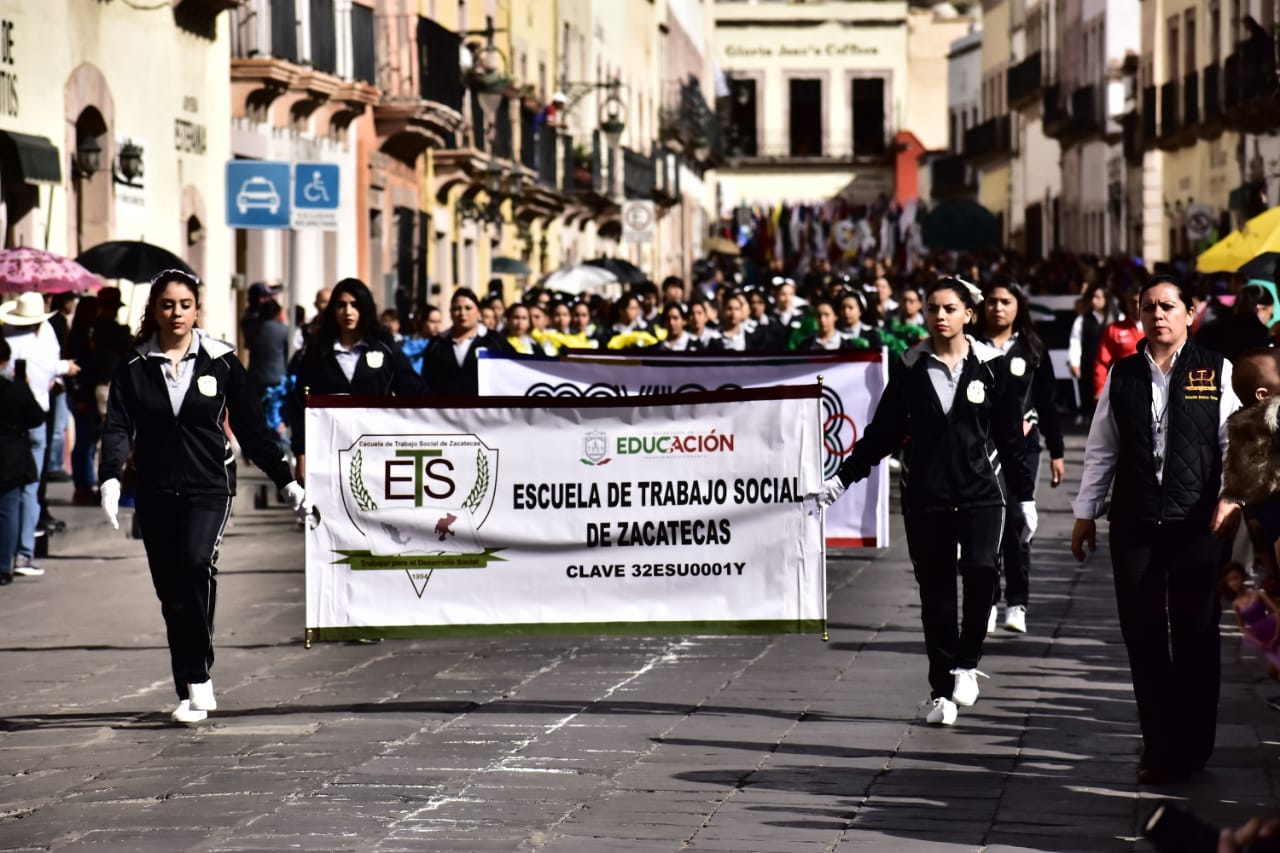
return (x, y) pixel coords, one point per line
(951, 396)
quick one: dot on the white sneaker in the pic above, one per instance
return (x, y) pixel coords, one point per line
(1015, 618)
(943, 712)
(184, 713)
(965, 691)
(202, 696)
(991, 620)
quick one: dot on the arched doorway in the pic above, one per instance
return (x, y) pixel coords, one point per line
(90, 113)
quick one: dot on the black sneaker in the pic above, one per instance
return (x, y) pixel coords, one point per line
(6, 578)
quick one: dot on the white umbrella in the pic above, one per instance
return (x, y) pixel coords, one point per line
(578, 278)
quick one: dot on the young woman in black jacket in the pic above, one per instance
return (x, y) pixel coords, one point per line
(166, 405)
(449, 365)
(1006, 324)
(951, 397)
(350, 353)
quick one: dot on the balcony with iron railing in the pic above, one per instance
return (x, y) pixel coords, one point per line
(421, 100)
(1191, 100)
(1055, 117)
(1131, 136)
(951, 177)
(1023, 82)
(1170, 114)
(267, 64)
(1149, 115)
(990, 140)
(1212, 80)
(1251, 89)
(691, 128)
(1086, 110)
(781, 153)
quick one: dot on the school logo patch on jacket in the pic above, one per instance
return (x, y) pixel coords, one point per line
(1202, 384)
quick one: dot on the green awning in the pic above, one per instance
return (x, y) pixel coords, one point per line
(37, 157)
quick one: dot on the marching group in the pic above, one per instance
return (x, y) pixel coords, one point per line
(968, 411)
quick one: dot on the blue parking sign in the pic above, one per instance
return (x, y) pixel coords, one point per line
(315, 196)
(257, 194)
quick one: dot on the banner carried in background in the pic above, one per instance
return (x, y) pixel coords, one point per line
(669, 514)
(852, 383)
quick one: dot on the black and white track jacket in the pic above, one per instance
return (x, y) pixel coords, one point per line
(186, 454)
(953, 459)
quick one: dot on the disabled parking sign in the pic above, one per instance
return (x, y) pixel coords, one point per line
(315, 196)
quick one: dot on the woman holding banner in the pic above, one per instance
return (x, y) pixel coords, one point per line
(449, 366)
(351, 353)
(951, 396)
(166, 406)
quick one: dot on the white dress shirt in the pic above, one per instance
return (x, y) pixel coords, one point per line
(177, 377)
(1103, 445)
(349, 358)
(39, 349)
(1075, 343)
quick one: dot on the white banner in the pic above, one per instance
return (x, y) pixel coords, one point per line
(672, 514)
(852, 383)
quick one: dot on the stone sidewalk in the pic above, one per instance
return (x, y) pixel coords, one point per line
(752, 744)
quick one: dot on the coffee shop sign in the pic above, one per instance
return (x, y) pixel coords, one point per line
(807, 51)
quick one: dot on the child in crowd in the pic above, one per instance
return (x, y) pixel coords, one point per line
(1251, 473)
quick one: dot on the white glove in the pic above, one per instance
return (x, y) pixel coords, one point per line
(1033, 520)
(109, 495)
(297, 498)
(831, 490)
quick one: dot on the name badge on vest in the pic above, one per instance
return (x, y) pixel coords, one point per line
(976, 392)
(1018, 365)
(207, 385)
(373, 358)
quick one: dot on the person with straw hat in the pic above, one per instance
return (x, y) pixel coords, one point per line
(33, 341)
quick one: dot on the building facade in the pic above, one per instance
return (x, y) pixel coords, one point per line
(817, 94)
(94, 145)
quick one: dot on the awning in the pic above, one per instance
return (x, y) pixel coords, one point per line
(36, 155)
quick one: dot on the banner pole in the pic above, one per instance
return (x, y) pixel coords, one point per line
(307, 634)
(822, 523)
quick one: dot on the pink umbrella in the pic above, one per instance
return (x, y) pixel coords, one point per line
(23, 269)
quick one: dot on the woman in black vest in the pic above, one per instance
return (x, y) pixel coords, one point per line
(1006, 324)
(449, 365)
(1157, 440)
(951, 396)
(351, 353)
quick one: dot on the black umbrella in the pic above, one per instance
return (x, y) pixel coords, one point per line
(961, 225)
(625, 271)
(1264, 267)
(131, 260)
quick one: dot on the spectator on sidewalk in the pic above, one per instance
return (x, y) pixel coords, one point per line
(19, 414)
(1160, 432)
(951, 395)
(64, 306)
(266, 339)
(31, 339)
(1006, 324)
(82, 399)
(165, 406)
